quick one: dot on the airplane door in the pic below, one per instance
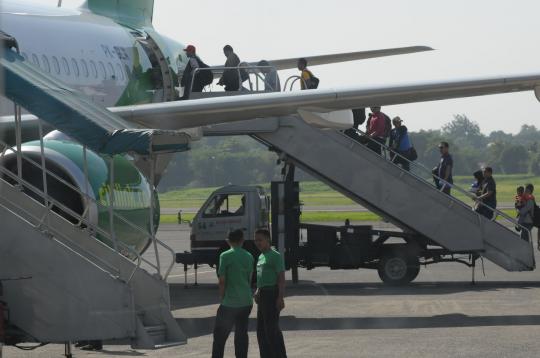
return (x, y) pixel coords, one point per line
(161, 75)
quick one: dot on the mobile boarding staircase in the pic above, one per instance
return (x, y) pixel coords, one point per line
(405, 198)
(60, 283)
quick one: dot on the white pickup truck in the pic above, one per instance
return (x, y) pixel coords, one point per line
(229, 208)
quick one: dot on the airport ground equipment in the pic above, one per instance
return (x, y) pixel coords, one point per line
(407, 199)
(229, 208)
(396, 255)
(84, 283)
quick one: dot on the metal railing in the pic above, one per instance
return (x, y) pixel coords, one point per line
(293, 80)
(83, 218)
(257, 71)
(387, 151)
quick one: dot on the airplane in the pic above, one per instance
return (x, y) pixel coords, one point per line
(110, 52)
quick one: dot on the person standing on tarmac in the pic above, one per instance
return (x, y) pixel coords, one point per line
(269, 297)
(235, 271)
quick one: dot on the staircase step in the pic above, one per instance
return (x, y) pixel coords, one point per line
(155, 329)
(169, 344)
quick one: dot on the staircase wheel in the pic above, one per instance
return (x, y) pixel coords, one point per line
(397, 267)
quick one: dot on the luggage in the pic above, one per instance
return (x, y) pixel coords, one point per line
(412, 155)
(536, 216)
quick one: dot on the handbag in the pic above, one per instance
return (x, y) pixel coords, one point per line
(412, 155)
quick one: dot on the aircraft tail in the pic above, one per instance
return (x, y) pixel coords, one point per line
(132, 13)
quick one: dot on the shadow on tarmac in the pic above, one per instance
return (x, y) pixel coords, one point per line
(308, 288)
(196, 327)
(206, 294)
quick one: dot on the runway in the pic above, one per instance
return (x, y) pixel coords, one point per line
(351, 314)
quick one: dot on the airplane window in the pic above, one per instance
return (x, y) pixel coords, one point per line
(75, 67)
(120, 72)
(93, 68)
(46, 65)
(56, 65)
(111, 70)
(102, 70)
(65, 64)
(35, 60)
(84, 68)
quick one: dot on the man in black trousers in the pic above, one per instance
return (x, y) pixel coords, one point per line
(269, 297)
(235, 269)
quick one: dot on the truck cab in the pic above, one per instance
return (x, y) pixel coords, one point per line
(229, 208)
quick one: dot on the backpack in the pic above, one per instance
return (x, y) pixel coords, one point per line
(313, 82)
(205, 76)
(359, 116)
(536, 215)
(387, 126)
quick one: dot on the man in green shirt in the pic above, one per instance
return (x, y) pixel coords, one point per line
(269, 297)
(235, 270)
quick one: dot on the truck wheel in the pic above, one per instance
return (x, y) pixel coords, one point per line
(398, 268)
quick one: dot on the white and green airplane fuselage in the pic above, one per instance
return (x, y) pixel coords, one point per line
(111, 63)
(115, 60)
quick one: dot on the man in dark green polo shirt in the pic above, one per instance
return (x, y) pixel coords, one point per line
(235, 270)
(269, 297)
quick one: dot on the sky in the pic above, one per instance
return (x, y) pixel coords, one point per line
(472, 39)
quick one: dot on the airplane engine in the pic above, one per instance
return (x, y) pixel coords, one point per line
(80, 190)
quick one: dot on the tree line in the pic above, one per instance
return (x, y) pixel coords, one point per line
(240, 160)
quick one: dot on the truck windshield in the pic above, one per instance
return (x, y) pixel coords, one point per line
(225, 205)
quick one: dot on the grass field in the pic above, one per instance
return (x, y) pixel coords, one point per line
(319, 194)
(313, 216)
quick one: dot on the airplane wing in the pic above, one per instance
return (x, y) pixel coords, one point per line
(290, 63)
(201, 112)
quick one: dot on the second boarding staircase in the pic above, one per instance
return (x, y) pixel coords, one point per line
(401, 197)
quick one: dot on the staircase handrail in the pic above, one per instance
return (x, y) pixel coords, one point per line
(71, 213)
(81, 219)
(420, 166)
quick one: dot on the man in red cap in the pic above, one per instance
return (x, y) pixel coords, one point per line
(194, 81)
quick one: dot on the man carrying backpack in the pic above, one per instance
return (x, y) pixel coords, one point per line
(193, 80)
(309, 81)
(400, 144)
(378, 126)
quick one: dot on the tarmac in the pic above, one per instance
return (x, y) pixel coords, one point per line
(352, 314)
